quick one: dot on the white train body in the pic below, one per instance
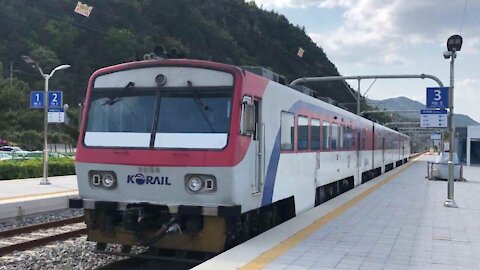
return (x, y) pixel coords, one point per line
(260, 151)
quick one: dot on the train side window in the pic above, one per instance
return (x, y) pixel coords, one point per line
(354, 143)
(334, 136)
(315, 134)
(348, 138)
(341, 139)
(325, 135)
(302, 129)
(287, 133)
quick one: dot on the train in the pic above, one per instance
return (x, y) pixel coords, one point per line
(199, 156)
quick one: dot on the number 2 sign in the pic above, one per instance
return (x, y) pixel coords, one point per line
(437, 97)
(55, 99)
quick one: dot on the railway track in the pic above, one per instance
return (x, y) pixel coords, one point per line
(37, 235)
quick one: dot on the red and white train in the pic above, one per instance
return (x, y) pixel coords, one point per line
(198, 156)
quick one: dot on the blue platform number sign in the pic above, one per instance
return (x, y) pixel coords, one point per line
(55, 99)
(36, 99)
(437, 97)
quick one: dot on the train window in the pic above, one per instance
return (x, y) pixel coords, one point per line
(334, 136)
(315, 134)
(354, 142)
(341, 130)
(325, 135)
(116, 115)
(198, 120)
(348, 138)
(287, 130)
(302, 126)
(121, 120)
(364, 139)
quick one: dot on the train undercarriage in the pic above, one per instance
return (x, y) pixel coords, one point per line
(153, 226)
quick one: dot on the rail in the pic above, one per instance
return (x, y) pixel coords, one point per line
(32, 240)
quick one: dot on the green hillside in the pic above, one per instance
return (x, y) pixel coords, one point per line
(403, 103)
(228, 31)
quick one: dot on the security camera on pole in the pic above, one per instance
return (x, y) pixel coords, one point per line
(47, 77)
(454, 44)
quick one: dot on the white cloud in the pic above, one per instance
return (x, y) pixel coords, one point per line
(385, 27)
(469, 84)
(467, 93)
(399, 37)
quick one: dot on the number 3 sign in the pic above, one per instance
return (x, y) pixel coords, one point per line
(437, 97)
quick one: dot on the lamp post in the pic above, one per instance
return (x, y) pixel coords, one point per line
(454, 44)
(47, 77)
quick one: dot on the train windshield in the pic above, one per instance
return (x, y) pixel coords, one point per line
(188, 118)
(194, 119)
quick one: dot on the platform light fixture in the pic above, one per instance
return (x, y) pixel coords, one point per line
(454, 45)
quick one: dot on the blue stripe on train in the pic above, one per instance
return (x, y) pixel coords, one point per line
(271, 172)
(275, 156)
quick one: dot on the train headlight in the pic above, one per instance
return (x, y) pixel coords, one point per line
(200, 183)
(102, 179)
(195, 184)
(108, 180)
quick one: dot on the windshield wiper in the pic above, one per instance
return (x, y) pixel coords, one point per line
(113, 100)
(203, 108)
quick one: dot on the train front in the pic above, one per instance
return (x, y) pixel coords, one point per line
(158, 150)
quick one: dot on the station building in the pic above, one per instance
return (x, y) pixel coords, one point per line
(468, 144)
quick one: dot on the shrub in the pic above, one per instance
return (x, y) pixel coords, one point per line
(33, 168)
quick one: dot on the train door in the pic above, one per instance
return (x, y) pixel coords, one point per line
(383, 151)
(259, 142)
(373, 146)
(359, 158)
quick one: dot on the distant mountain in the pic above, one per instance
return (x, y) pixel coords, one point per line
(403, 103)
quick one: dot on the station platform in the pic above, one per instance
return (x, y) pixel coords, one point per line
(395, 221)
(26, 196)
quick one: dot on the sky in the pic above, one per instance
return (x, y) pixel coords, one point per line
(384, 37)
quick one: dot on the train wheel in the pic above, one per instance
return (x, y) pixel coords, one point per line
(246, 232)
(276, 215)
(256, 223)
(268, 220)
(100, 246)
(322, 195)
(234, 230)
(126, 248)
(345, 186)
